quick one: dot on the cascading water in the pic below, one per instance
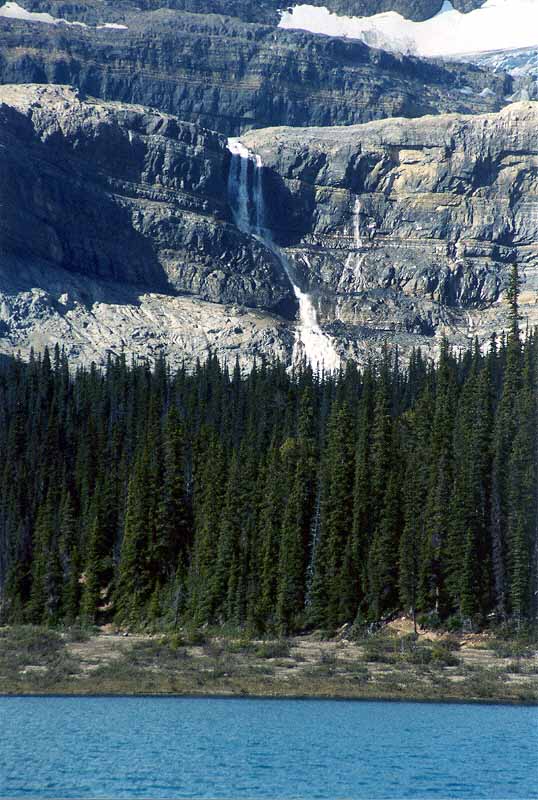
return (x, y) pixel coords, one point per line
(245, 189)
(354, 259)
(238, 185)
(357, 239)
(352, 278)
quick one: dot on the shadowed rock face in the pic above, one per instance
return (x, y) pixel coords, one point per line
(229, 75)
(115, 234)
(116, 231)
(123, 194)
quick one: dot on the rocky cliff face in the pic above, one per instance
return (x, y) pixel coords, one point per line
(229, 75)
(409, 226)
(123, 194)
(114, 230)
(117, 230)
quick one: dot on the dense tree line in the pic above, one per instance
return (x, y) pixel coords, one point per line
(271, 500)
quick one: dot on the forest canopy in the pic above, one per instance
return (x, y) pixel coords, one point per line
(273, 500)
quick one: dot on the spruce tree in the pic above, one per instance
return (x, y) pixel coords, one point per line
(336, 520)
(134, 584)
(504, 432)
(271, 500)
(269, 535)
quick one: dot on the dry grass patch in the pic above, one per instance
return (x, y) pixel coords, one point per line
(391, 663)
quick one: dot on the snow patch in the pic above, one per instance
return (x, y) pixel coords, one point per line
(14, 11)
(115, 25)
(497, 25)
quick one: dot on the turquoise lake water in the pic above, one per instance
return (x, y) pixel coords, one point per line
(230, 748)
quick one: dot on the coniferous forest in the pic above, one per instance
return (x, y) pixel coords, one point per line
(271, 500)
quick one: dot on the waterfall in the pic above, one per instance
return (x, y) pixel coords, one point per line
(357, 240)
(352, 277)
(310, 342)
(354, 259)
(245, 190)
(238, 184)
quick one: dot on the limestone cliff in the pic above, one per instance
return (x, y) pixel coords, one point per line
(115, 233)
(230, 75)
(117, 230)
(121, 193)
(409, 227)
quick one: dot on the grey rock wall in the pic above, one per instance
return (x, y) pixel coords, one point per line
(95, 11)
(124, 194)
(116, 230)
(409, 226)
(229, 75)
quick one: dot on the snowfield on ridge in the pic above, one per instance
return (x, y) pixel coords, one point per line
(497, 25)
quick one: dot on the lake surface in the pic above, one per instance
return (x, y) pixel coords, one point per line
(231, 748)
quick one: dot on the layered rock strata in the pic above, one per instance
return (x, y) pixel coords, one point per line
(117, 231)
(409, 228)
(124, 194)
(229, 75)
(114, 230)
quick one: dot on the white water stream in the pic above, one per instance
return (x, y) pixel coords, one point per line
(245, 187)
(357, 240)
